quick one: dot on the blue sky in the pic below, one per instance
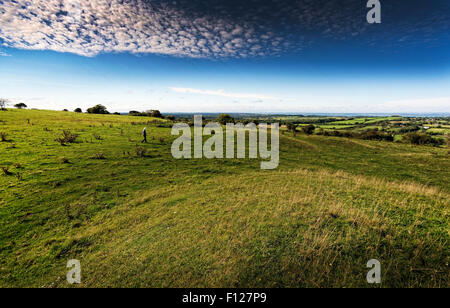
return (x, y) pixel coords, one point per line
(225, 56)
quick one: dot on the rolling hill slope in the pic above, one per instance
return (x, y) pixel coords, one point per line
(134, 216)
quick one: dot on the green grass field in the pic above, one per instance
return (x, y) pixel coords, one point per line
(442, 131)
(362, 120)
(153, 221)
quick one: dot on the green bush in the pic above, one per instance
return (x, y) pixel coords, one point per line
(422, 139)
(292, 127)
(67, 137)
(309, 129)
(376, 135)
(367, 135)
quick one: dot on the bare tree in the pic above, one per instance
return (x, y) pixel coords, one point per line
(3, 103)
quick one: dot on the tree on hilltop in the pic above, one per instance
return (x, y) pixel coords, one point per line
(20, 106)
(98, 109)
(225, 119)
(156, 114)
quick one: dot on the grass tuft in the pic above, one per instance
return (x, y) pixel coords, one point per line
(97, 137)
(3, 136)
(99, 156)
(140, 151)
(67, 137)
(6, 171)
(64, 160)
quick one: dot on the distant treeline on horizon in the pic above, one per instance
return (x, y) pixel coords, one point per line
(209, 115)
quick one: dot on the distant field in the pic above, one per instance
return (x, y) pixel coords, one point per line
(396, 127)
(365, 120)
(334, 126)
(152, 221)
(442, 131)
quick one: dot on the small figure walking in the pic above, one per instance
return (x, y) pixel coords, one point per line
(144, 134)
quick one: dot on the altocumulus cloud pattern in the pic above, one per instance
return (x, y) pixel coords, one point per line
(88, 27)
(207, 28)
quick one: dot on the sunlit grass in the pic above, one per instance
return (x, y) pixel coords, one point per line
(333, 204)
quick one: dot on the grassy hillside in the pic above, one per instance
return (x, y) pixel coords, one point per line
(136, 219)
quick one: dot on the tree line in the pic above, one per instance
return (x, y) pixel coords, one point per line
(4, 102)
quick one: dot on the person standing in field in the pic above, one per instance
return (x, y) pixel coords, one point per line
(144, 134)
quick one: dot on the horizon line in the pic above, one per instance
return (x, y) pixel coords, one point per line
(284, 113)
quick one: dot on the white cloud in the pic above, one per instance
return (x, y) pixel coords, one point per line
(90, 27)
(191, 28)
(437, 104)
(224, 94)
